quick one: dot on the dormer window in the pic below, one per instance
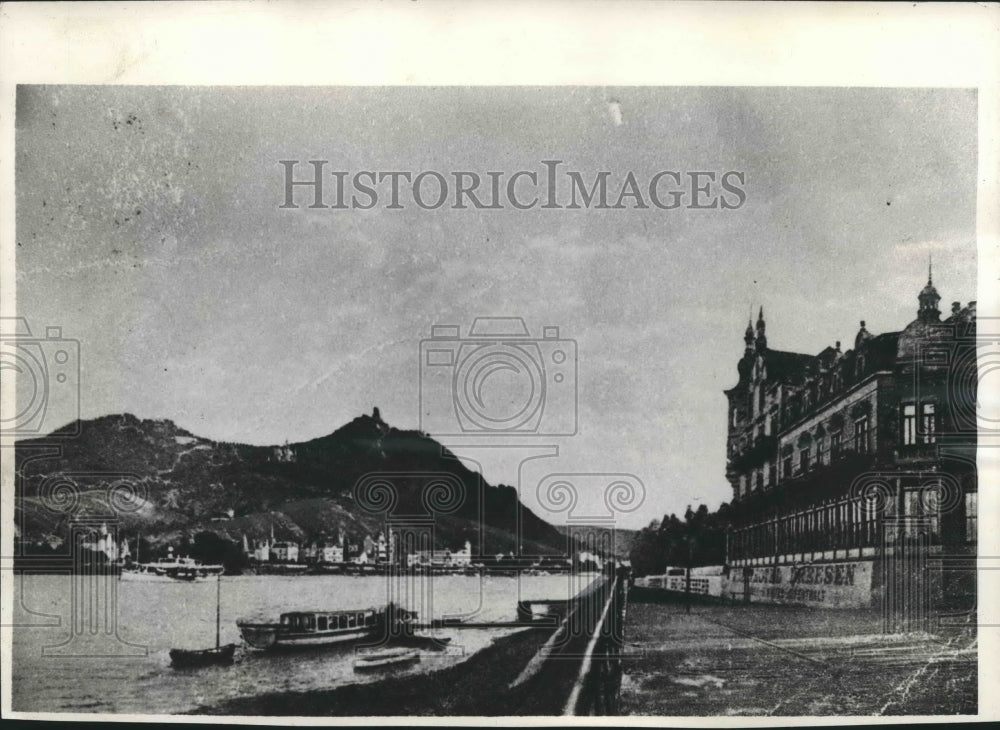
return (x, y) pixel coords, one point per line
(860, 366)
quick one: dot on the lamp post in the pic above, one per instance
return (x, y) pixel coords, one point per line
(687, 573)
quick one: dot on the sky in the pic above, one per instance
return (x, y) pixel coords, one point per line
(149, 228)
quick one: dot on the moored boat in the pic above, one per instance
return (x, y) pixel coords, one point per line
(170, 570)
(386, 658)
(298, 629)
(219, 654)
(185, 658)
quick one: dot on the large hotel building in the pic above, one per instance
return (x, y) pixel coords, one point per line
(836, 455)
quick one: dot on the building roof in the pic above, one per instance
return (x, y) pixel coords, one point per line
(787, 367)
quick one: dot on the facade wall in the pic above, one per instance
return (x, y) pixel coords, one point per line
(834, 456)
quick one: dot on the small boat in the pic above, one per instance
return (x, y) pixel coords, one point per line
(187, 658)
(386, 658)
(298, 629)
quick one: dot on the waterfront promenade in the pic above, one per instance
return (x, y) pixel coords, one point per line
(787, 661)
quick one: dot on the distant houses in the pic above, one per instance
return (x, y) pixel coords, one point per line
(104, 542)
(441, 558)
(367, 553)
(371, 551)
(322, 551)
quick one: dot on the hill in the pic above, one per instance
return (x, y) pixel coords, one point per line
(168, 485)
(619, 538)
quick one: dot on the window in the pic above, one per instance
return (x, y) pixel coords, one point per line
(787, 466)
(971, 516)
(835, 444)
(861, 435)
(909, 424)
(322, 623)
(804, 460)
(928, 423)
(820, 450)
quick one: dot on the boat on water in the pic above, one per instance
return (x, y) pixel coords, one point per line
(299, 629)
(386, 658)
(173, 568)
(219, 654)
(170, 570)
(187, 658)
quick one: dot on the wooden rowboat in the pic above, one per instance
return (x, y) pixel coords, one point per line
(386, 658)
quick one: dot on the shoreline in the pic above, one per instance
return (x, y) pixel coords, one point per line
(474, 687)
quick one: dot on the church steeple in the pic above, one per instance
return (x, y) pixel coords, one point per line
(929, 298)
(761, 335)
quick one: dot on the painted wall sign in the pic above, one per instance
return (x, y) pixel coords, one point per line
(832, 585)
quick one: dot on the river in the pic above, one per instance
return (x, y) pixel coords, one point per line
(111, 654)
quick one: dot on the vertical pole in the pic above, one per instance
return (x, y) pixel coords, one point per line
(687, 579)
(218, 608)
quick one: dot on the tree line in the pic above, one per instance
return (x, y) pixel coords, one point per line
(700, 539)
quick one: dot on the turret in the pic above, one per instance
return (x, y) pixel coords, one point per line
(929, 298)
(761, 335)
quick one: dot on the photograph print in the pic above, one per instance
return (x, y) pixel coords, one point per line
(354, 401)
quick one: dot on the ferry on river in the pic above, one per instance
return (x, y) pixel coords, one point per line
(297, 629)
(170, 570)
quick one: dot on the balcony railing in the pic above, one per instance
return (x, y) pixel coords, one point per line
(762, 449)
(916, 452)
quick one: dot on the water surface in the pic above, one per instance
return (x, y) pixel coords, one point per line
(60, 665)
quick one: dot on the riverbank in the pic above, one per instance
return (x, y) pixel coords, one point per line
(477, 687)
